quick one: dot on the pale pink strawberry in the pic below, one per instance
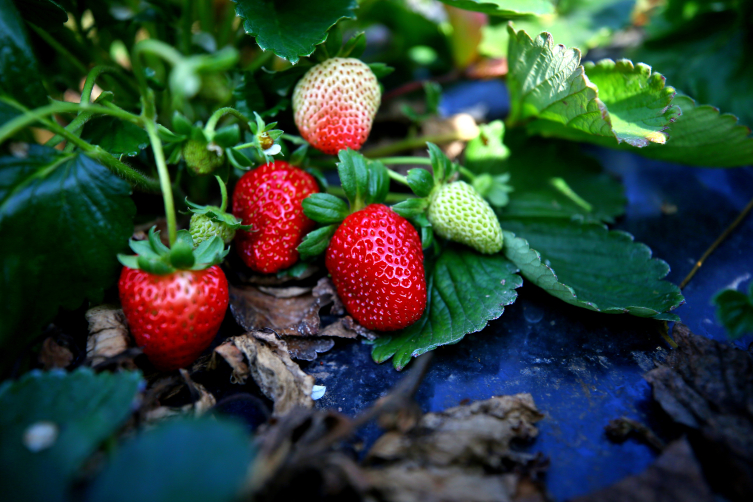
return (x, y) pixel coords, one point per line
(335, 103)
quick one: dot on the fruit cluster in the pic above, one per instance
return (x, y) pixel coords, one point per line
(175, 298)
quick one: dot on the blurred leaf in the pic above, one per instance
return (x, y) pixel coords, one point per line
(71, 414)
(709, 58)
(19, 76)
(735, 311)
(588, 266)
(292, 29)
(184, 459)
(46, 14)
(505, 8)
(584, 24)
(616, 100)
(116, 136)
(465, 290)
(63, 218)
(487, 151)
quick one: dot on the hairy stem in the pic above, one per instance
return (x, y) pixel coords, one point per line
(218, 114)
(164, 180)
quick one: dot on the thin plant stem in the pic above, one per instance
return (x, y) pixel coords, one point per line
(397, 177)
(467, 173)
(405, 160)
(409, 144)
(91, 79)
(732, 226)
(218, 114)
(164, 180)
(223, 190)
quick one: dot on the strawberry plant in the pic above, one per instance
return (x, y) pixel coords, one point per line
(127, 123)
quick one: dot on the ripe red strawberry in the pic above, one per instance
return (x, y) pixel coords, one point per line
(377, 265)
(174, 317)
(335, 103)
(174, 298)
(269, 199)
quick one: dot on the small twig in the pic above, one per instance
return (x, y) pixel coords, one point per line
(717, 242)
(418, 84)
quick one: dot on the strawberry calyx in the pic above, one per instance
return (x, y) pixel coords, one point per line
(364, 182)
(218, 214)
(156, 258)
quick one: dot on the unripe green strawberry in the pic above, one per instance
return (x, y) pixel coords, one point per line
(458, 213)
(201, 156)
(335, 103)
(202, 228)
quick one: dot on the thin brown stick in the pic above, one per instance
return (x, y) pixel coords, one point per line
(717, 242)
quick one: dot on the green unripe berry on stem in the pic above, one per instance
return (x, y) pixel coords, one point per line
(202, 157)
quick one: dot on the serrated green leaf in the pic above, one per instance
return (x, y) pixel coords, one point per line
(505, 8)
(576, 23)
(548, 83)
(539, 171)
(465, 291)
(707, 56)
(292, 29)
(702, 136)
(116, 136)
(420, 181)
(19, 75)
(734, 310)
(325, 208)
(184, 459)
(82, 408)
(586, 265)
(63, 219)
(46, 14)
(316, 241)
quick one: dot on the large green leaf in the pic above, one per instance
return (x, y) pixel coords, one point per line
(734, 309)
(63, 219)
(293, 28)
(702, 136)
(589, 266)
(555, 179)
(465, 291)
(505, 8)
(548, 83)
(78, 410)
(576, 23)
(709, 58)
(187, 460)
(115, 135)
(19, 76)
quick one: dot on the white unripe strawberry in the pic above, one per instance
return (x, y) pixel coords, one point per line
(458, 213)
(335, 103)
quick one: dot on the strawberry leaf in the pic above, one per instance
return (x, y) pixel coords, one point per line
(63, 218)
(616, 100)
(169, 462)
(292, 29)
(116, 136)
(702, 136)
(505, 8)
(589, 266)
(19, 75)
(465, 291)
(77, 411)
(734, 310)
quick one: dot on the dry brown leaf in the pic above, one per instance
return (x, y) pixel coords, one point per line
(247, 276)
(674, 477)
(53, 355)
(270, 365)
(347, 327)
(108, 334)
(202, 401)
(235, 359)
